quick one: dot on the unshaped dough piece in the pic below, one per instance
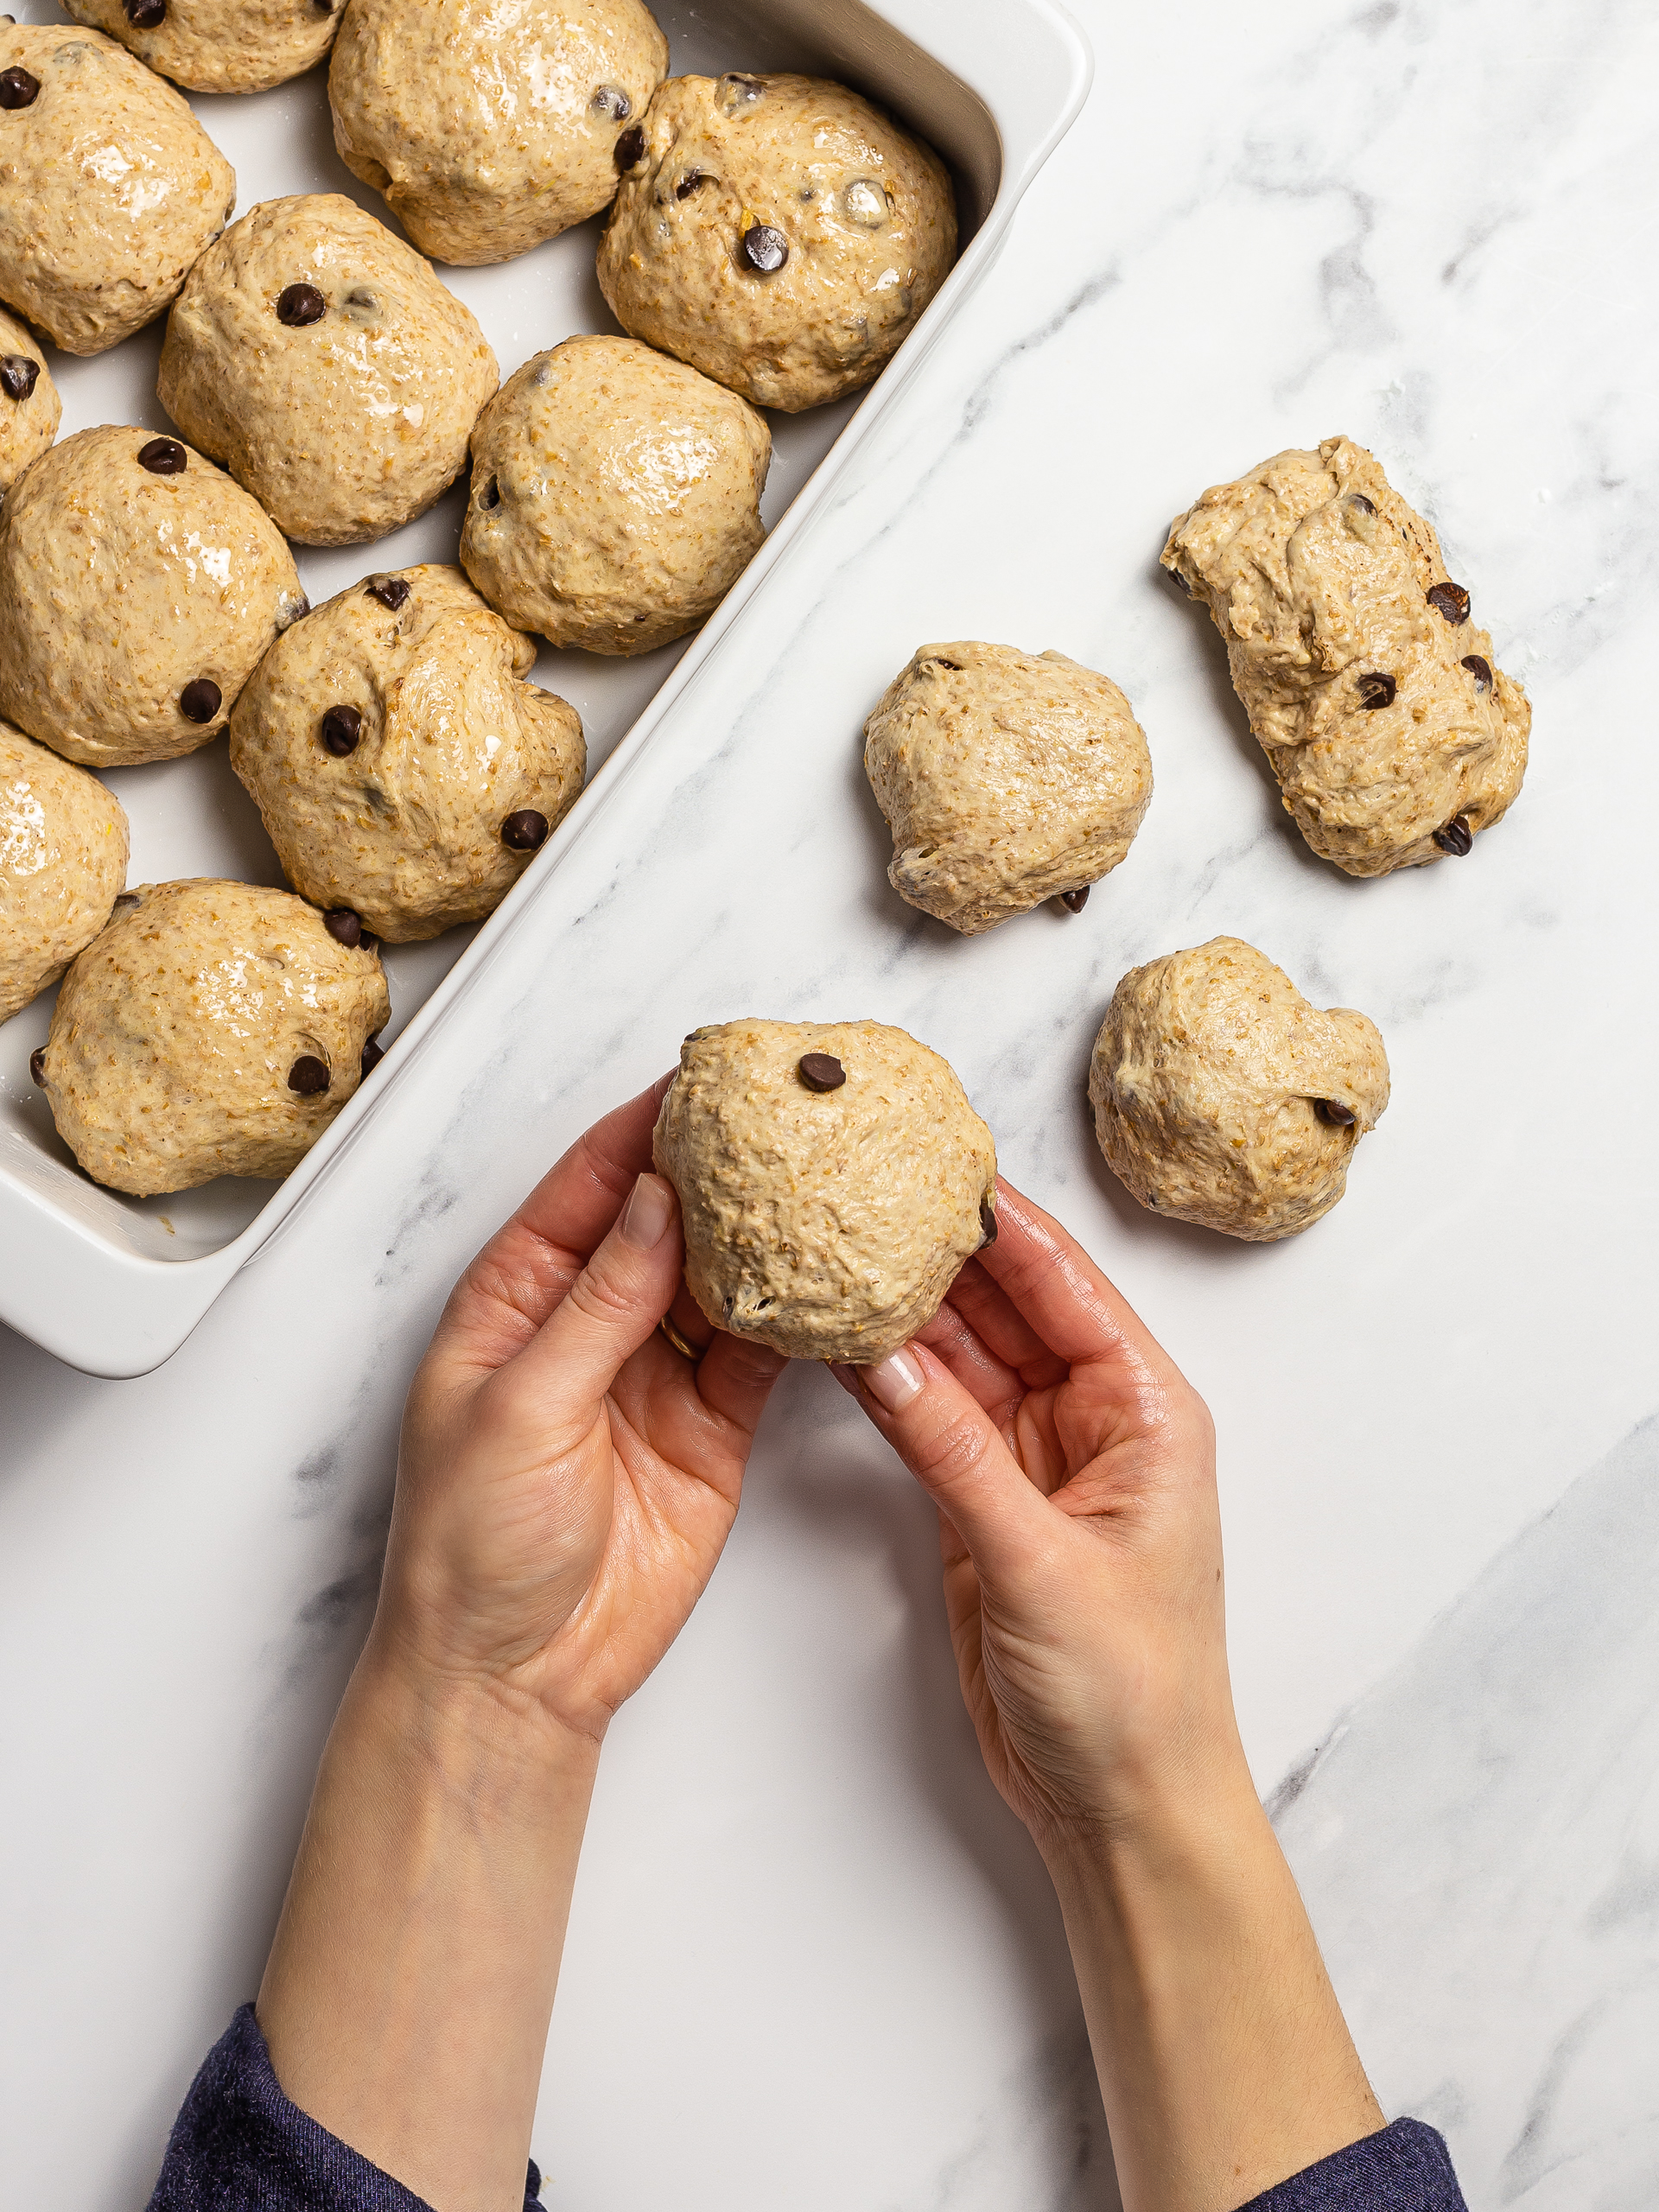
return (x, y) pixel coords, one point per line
(1222, 1096)
(212, 1029)
(134, 604)
(344, 425)
(109, 188)
(451, 743)
(491, 125)
(30, 410)
(615, 496)
(63, 857)
(222, 46)
(1394, 736)
(863, 212)
(827, 1223)
(1007, 778)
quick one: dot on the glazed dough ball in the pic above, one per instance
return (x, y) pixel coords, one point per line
(29, 408)
(323, 362)
(109, 187)
(1222, 1096)
(778, 233)
(832, 1178)
(615, 496)
(138, 587)
(63, 857)
(1005, 778)
(1395, 737)
(402, 767)
(212, 1029)
(218, 46)
(491, 125)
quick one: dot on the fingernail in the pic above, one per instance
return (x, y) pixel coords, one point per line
(893, 1382)
(647, 1214)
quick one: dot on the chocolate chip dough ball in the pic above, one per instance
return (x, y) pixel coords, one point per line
(1394, 736)
(1222, 1096)
(779, 233)
(138, 587)
(212, 1029)
(218, 46)
(29, 408)
(109, 187)
(405, 771)
(320, 359)
(490, 128)
(1005, 778)
(832, 1179)
(63, 857)
(615, 496)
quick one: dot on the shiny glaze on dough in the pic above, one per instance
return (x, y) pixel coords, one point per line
(223, 46)
(27, 426)
(63, 857)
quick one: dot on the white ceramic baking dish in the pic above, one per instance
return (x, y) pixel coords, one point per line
(114, 1284)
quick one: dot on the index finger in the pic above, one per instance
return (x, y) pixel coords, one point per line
(1058, 1292)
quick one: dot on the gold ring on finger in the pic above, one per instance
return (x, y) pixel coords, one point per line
(686, 1351)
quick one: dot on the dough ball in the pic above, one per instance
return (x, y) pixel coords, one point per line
(212, 1029)
(615, 496)
(63, 857)
(29, 408)
(218, 46)
(402, 767)
(323, 362)
(1222, 1096)
(1395, 737)
(109, 187)
(832, 1177)
(1005, 778)
(138, 588)
(778, 233)
(491, 127)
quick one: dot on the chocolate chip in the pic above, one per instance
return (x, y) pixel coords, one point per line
(342, 729)
(1480, 668)
(1075, 901)
(1451, 600)
(144, 15)
(374, 1053)
(740, 91)
(987, 1221)
(37, 1065)
(325, 7)
(343, 924)
(1179, 582)
(1333, 1110)
(309, 1076)
(125, 898)
(290, 611)
(1366, 507)
(163, 457)
(299, 304)
(18, 375)
(689, 183)
(764, 248)
(491, 495)
(390, 591)
(1376, 689)
(199, 702)
(1456, 838)
(18, 88)
(612, 100)
(524, 831)
(820, 1071)
(629, 149)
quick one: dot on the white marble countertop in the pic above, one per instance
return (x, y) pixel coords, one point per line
(813, 1962)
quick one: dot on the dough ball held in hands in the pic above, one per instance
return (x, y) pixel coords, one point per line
(63, 857)
(488, 135)
(212, 1029)
(30, 410)
(778, 233)
(1394, 736)
(832, 1177)
(322, 360)
(405, 769)
(1005, 778)
(1222, 1096)
(218, 46)
(138, 588)
(615, 496)
(109, 187)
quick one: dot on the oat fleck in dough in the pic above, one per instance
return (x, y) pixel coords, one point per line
(63, 857)
(109, 187)
(828, 1223)
(1222, 1096)
(138, 587)
(321, 359)
(29, 408)
(615, 496)
(491, 125)
(218, 46)
(1007, 778)
(403, 767)
(212, 1029)
(1395, 737)
(778, 233)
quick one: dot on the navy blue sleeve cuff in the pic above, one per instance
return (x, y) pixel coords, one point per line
(1404, 2168)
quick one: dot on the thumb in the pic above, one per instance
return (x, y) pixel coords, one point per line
(612, 1306)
